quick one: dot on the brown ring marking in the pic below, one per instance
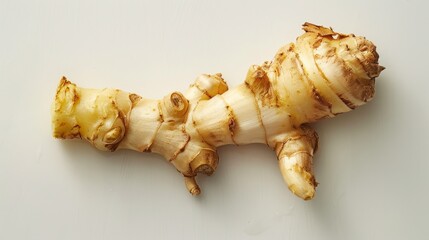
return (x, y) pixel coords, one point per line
(298, 152)
(329, 84)
(258, 112)
(123, 118)
(359, 54)
(196, 128)
(161, 120)
(161, 116)
(201, 136)
(189, 176)
(347, 69)
(355, 56)
(232, 122)
(347, 102)
(280, 148)
(315, 94)
(291, 106)
(202, 90)
(182, 148)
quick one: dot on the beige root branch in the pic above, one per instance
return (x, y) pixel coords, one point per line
(322, 75)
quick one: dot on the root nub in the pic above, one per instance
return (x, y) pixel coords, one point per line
(176, 104)
(192, 186)
(205, 162)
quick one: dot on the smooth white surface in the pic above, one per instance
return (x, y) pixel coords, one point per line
(372, 163)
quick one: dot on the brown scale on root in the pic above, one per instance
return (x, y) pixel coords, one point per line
(322, 74)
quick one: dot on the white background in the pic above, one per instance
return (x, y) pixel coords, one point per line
(372, 163)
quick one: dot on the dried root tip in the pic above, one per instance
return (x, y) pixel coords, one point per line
(205, 162)
(322, 31)
(176, 104)
(192, 186)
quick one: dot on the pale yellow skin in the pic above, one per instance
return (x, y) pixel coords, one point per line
(321, 75)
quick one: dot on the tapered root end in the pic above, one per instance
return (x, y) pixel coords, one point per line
(296, 162)
(192, 186)
(298, 175)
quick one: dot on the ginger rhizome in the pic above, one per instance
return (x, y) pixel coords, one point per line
(322, 75)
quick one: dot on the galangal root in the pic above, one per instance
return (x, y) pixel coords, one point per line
(323, 74)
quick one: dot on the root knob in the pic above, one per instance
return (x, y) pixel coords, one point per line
(205, 162)
(176, 104)
(113, 135)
